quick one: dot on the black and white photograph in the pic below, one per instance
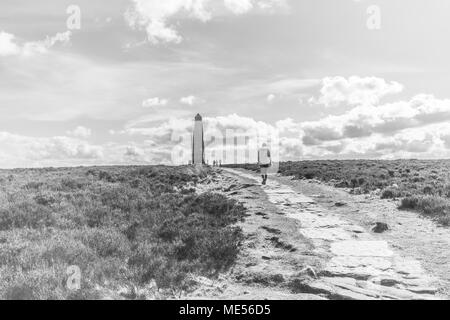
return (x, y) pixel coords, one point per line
(226, 156)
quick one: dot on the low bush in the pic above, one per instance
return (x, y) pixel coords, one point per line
(391, 193)
(432, 206)
(119, 225)
(106, 242)
(26, 214)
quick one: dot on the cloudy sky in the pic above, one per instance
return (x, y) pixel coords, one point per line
(334, 79)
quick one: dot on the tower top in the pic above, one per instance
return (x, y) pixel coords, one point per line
(198, 117)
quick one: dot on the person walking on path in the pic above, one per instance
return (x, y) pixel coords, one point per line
(264, 161)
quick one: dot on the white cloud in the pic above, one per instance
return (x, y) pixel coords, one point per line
(239, 6)
(153, 102)
(60, 37)
(355, 90)
(10, 46)
(80, 132)
(272, 4)
(418, 128)
(291, 149)
(287, 125)
(415, 128)
(164, 130)
(7, 44)
(446, 139)
(270, 98)
(189, 100)
(18, 151)
(423, 142)
(81, 150)
(236, 122)
(133, 151)
(426, 134)
(153, 16)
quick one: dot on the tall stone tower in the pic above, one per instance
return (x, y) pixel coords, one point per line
(198, 144)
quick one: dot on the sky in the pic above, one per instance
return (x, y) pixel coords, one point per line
(110, 82)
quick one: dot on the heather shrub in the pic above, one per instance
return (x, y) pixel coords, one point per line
(26, 214)
(119, 225)
(41, 283)
(432, 206)
(390, 193)
(409, 203)
(65, 249)
(69, 184)
(150, 261)
(106, 242)
(446, 191)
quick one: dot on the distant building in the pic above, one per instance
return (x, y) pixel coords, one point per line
(198, 143)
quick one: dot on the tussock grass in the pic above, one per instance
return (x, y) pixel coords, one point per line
(119, 225)
(432, 206)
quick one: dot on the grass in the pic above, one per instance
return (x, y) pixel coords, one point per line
(422, 185)
(433, 206)
(120, 225)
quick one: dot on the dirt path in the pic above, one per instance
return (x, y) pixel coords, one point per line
(298, 248)
(410, 234)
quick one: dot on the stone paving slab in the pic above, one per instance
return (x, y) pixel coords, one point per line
(357, 248)
(360, 266)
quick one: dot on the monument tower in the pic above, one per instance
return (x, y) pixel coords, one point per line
(198, 144)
